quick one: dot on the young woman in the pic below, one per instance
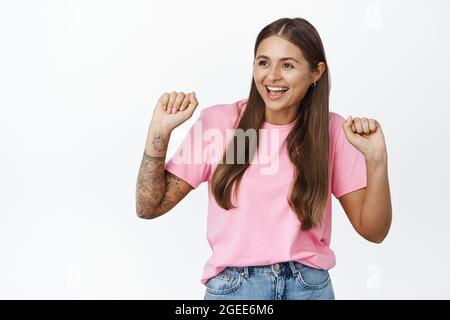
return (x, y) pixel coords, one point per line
(269, 220)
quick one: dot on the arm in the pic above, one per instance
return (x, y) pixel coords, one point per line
(369, 209)
(157, 190)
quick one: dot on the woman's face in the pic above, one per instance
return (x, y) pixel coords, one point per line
(279, 63)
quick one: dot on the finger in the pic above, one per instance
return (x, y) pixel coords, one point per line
(365, 125)
(349, 123)
(172, 98)
(378, 127)
(185, 102)
(193, 103)
(358, 125)
(372, 125)
(163, 100)
(177, 103)
(348, 127)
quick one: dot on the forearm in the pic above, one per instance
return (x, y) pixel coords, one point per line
(151, 182)
(376, 213)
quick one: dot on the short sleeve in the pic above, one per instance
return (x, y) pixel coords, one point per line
(188, 161)
(349, 166)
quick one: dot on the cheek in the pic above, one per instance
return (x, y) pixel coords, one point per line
(299, 78)
(301, 83)
(257, 76)
(300, 88)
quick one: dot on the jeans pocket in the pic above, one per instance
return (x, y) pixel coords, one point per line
(312, 278)
(225, 282)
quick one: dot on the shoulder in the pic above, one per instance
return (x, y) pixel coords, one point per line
(335, 129)
(335, 119)
(222, 115)
(335, 123)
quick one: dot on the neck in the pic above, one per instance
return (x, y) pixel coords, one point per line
(280, 117)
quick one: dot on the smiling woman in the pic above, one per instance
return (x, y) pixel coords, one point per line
(270, 233)
(283, 76)
(290, 81)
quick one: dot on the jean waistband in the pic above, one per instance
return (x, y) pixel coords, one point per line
(288, 267)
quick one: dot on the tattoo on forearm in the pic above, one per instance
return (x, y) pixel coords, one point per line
(150, 182)
(172, 188)
(157, 190)
(159, 144)
(152, 159)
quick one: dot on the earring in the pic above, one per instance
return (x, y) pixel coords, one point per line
(314, 85)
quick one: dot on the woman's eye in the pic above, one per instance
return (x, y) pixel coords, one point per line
(263, 63)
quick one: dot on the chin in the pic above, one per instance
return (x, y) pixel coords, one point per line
(275, 106)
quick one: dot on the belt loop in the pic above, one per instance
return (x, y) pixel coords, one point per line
(293, 268)
(246, 272)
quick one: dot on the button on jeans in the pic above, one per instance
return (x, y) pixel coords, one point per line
(280, 281)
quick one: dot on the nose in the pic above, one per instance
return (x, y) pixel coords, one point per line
(273, 74)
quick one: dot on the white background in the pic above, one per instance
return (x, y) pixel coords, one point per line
(78, 84)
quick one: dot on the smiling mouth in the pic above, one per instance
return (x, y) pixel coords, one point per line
(275, 92)
(276, 89)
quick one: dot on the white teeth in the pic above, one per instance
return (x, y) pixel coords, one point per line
(276, 89)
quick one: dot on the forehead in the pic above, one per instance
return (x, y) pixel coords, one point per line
(276, 47)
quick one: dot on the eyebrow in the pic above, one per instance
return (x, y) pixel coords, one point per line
(281, 59)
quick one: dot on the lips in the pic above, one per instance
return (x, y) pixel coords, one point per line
(276, 89)
(275, 94)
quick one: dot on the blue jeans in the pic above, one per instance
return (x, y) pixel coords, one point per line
(280, 281)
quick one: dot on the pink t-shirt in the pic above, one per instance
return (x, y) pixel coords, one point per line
(263, 229)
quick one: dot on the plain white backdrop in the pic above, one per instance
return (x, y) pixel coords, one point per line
(78, 84)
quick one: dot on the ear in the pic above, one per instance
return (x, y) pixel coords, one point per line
(319, 71)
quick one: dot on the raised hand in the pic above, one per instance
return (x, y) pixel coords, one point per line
(365, 135)
(173, 109)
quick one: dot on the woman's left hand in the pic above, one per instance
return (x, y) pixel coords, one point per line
(365, 135)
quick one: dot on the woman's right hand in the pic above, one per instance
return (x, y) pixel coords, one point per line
(173, 109)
